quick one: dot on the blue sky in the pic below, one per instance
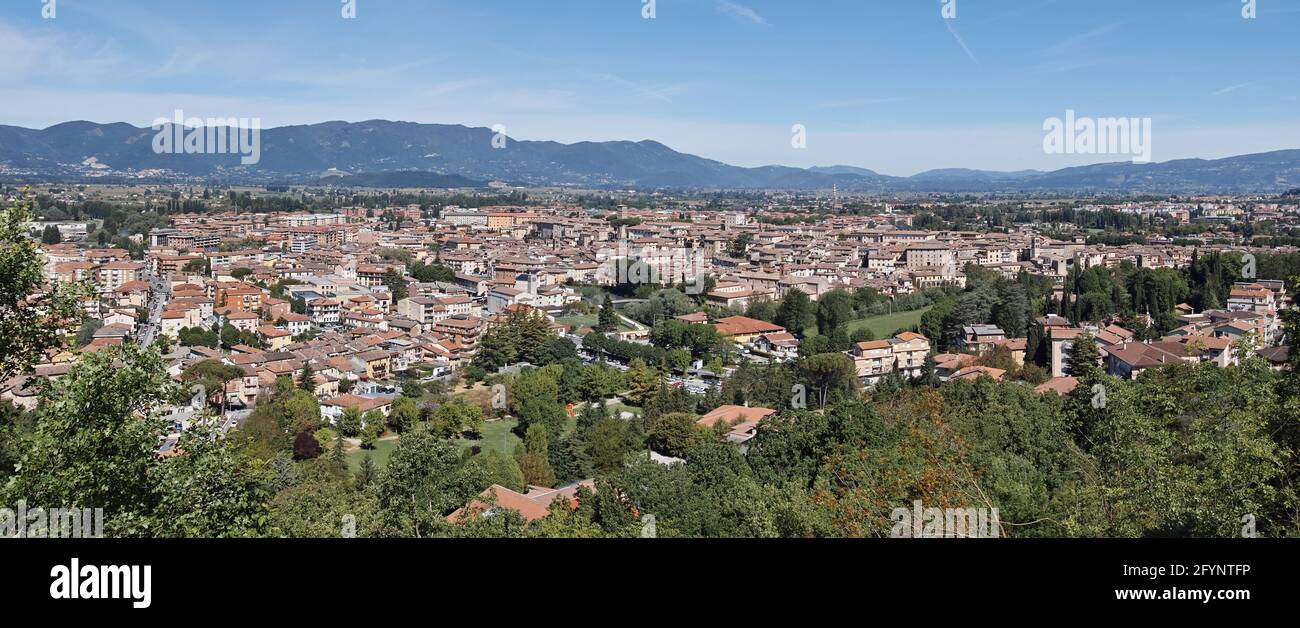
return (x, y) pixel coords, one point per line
(883, 84)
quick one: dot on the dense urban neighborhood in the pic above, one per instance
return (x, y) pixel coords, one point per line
(532, 352)
(409, 299)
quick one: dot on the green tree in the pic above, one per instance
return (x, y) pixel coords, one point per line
(455, 417)
(51, 235)
(642, 381)
(503, 470)
(396, 284)
(678, 360)
(210, 491)
(1011, 312)
(86, 334)
(198, 337)
(89, 446)
(367, 473)
(795, 312)
(405, 414)
(534, 399)
(834, 310)
(307, 378)
(277, 418)
(425, 480)
(230, 336)
(374, 423)
(1084, 357)
(214, 376)
(97, 441)
(829, 374)
(32, 320)
(350, 422)
(676, 433)
(607, 319)
(533, 457)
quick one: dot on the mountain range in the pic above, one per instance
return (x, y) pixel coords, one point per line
(380, 153)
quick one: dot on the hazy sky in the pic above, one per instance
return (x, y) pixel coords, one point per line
(889, 85)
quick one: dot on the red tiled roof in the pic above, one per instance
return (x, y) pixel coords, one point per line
(1059, 385)
(740, 325)
(732, 414)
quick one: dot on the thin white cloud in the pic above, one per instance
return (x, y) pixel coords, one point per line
(54, 56)
(961, 42)
(1083, 42)
(739, 11)
(663, 93)
(1232, 88)
(182, 62)
(533, 99)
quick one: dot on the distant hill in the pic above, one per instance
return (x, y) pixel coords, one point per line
(863, 172)
(405, 154)
(402, 179)
(966, 174)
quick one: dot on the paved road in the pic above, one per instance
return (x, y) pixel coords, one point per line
(158, 297)
(235, 418)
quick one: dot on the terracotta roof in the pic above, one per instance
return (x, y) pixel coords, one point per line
(533, 505)
(1059, 385)
(873, 344)
(1066, 333)
(975, 372)
(694, 317)
(1140, 355)
(740, 325)
(1015, 344)
(354, 401)
(732, 414)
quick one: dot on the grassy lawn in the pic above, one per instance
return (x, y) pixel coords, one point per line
(579, 321)
(383, 449)
(885, 325)
(497, 436)
(618, 408)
